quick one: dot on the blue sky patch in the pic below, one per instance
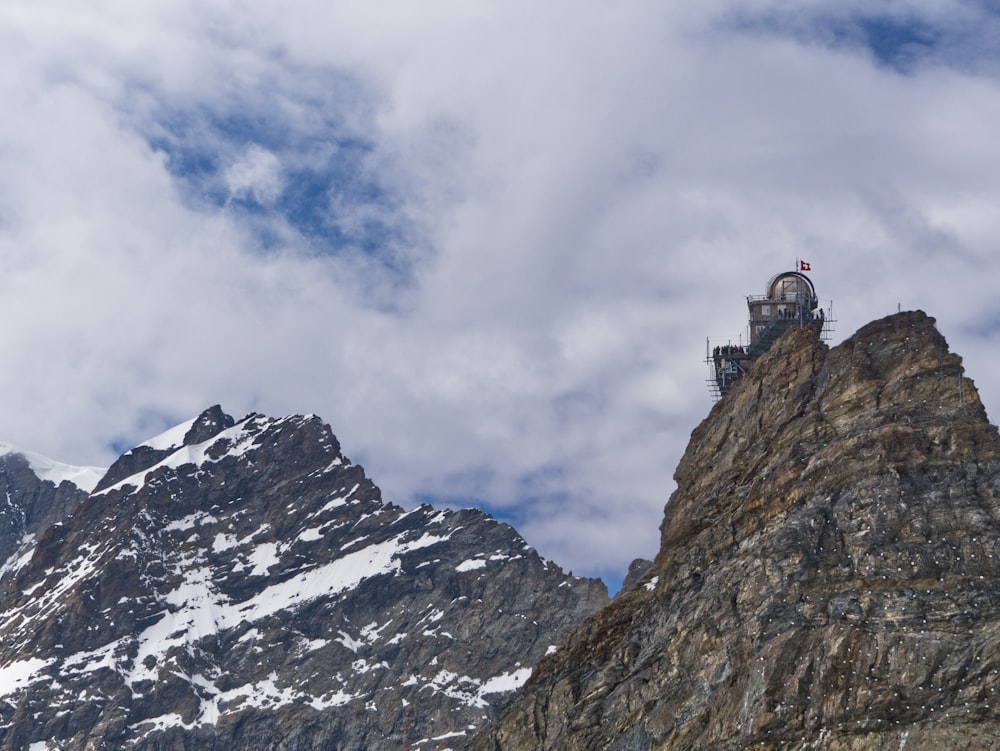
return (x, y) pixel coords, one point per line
(898, 44)
(312, 179)
(900, 40)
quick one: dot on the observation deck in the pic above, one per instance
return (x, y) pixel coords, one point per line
(789, 301)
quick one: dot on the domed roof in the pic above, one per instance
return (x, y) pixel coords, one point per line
(791, 285)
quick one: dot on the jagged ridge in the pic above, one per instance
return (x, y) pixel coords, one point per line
(238, 585)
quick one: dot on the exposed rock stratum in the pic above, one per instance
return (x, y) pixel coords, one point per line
(828, 578)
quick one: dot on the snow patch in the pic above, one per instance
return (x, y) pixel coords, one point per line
(224, 542)
(330, 579)
(372, 631)
(505, 682)
(170, 438)
(446, 736)
(471, 565)
(263, 557)
(19, 558)
(471, 691)
(347, 641)
(308, 535)
(190, 521)
(335, 699)
(18, 674)
(363, 666)
(260, 695)
(88, 662)
(161, 723)
(311, 645)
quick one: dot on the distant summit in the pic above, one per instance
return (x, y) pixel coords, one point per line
(828, 578)
(241, 585)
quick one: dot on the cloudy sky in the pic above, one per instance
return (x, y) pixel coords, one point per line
(484, 240)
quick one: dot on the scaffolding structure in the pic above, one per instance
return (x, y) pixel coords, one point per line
(789, 302)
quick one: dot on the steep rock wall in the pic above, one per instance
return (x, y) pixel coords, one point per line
(829, 576)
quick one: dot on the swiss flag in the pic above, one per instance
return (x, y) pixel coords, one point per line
(804, 266)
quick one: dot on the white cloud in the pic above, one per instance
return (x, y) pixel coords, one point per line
(488, 240)
(256, 176)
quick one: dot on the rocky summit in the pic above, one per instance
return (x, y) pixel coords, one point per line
(241, 585)
(828, 578)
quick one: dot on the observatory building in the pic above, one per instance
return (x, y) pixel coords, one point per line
(789, 302)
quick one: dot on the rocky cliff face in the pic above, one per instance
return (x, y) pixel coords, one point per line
(31, 503)
(241, 585)
(829, 576)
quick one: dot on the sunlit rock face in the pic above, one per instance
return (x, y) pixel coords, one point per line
(829, 576)
(241, 585)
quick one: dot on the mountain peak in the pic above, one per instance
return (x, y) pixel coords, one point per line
(196, 430)
(804, 410)
(191, 433)
(207, 425)
(240, 584)
(827, 574)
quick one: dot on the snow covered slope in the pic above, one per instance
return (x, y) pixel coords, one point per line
(85, 478)
(241, 585)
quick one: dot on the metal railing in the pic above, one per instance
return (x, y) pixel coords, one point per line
(728, 362)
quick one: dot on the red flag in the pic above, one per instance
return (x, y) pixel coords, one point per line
(804, 266)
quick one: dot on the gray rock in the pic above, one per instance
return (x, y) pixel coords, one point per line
(637, 571)
(30, 503)
(828, 578)
(249, 589)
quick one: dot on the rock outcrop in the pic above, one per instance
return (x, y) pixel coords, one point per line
(30, 502)
(829, 575)
(241, 585)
